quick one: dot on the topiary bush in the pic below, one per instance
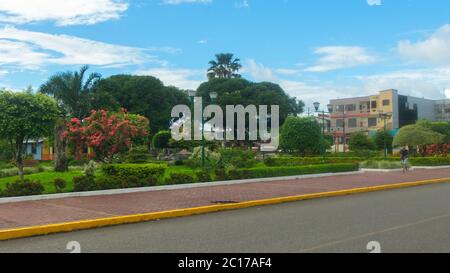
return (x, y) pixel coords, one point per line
(143, 172)
(84, 183)
(203, 176)
(180, 178)
(262, 172)
(23, 188)
(238, 158)
(138, 154)
(59, 184)
(297, 161)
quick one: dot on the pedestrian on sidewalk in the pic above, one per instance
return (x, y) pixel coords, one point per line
(404, 153)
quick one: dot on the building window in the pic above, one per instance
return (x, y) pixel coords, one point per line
(340, 108)
(339, 123)
(373, 104)
(386, 102)
(352, 123)
(372, 122)
(350, 107)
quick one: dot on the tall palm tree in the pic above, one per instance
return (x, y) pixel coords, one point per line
(224, 66)
(73, 94)
(72, 91)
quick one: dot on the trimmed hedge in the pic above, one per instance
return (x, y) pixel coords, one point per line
(143, 172)
(423, 161)
(22, 188)
(262, 172)
(298, 161)
(429, 161)
(181, 178)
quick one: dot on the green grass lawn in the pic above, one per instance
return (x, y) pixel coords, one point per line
(46, 178)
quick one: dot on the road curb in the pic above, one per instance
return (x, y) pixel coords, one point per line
(8, 234)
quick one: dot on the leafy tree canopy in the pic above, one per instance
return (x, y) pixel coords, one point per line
(143, 95)
(300, 135)
(380, 138)
(25, 116)
(73, 91)
(417, 135)
(243, 92)
(360, 142)
(225, 66)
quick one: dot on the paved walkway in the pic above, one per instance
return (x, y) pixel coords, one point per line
(32, 213)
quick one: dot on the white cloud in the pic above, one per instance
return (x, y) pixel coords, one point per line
(374, 2)
(177, 2)
(428, 83)
(181, 78)
(242, 4)
(258, 71)
(30, 49)
(69, 12)
(339, 57)
(433, 50)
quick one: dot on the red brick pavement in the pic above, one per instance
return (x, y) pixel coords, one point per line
(31, 213)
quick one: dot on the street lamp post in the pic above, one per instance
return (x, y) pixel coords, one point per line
(385, 116)
(213, 96)
(330, 108)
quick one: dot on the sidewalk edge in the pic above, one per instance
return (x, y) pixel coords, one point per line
(128, 219)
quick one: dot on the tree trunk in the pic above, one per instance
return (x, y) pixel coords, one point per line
(19, 159)
(61, 163)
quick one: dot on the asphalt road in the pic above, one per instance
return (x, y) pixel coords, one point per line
(406, 220)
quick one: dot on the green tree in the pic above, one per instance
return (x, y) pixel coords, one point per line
(243, 92)
(440, 127)
(161, 140)
(418, 136)
(360, 142)
(25, 116)
(225, 66)
(300, 135)
(143, 95)
(72, 91)
(380, 138)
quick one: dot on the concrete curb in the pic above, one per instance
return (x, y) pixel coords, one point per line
(165, 188)
(128, 219)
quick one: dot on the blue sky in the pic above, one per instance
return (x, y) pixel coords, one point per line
(316, 50)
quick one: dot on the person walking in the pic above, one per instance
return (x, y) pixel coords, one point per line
(404, 153)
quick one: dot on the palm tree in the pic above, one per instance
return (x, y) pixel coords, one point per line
(224, 66)
(72, 91)
(73, 94)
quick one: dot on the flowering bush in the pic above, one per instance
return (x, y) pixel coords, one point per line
(106, 133)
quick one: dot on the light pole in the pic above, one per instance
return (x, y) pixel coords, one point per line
(213, 96)
(385, 116)
(330, 108)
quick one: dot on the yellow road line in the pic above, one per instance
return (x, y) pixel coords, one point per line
(128, 219)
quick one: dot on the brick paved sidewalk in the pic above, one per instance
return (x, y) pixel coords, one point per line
(32, 213)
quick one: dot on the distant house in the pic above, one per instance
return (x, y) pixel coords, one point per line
(39, 150)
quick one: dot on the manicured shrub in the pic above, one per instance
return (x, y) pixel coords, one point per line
(221, 174)
(238, 158)
(133, 182)
(23, 188)
(430, 161)
(60, 184)
(84, 183)
(239, 174)
(380, 164)
(262, 172)
(180, 178)
(108, 183)
(138, 154)
(297, 161)
(143, 172)
(203, 176)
